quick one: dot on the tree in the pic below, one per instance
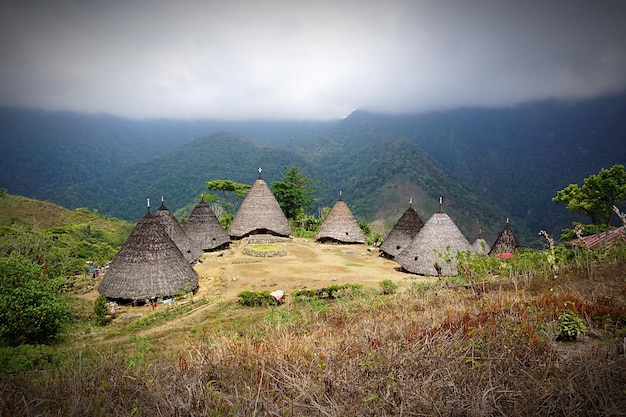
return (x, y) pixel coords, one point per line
(597, 196)
(31, 309)
(294, 193)
(232, 193)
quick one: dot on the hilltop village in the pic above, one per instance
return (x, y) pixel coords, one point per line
(156, 261)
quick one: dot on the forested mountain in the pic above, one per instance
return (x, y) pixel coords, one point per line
(488, 164)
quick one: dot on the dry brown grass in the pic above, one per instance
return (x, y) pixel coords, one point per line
(442, 350)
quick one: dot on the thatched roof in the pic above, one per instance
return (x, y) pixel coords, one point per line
(259, 213)
(480, 246)
(148, 265)
(191, 251)
(438, 236)
(505, 242)
(402, 233)
(205, 229)
(340, 226)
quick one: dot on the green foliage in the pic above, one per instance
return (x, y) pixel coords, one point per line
(331, 292)
(570, 326)
(100, 311)
(232, 193)
(388, 286)
(256, 299)
(294, 193)
(24, 358)
(31, 307)
(472, 267)
(597, 196)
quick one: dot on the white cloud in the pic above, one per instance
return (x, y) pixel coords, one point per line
(275, 59)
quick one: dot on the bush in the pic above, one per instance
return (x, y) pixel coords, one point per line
(388, 286)
(256, 299)
(101, 312)
(570, 326)
(31, 309)
(331, 292)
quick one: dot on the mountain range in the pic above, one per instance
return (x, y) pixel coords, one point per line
(487, 164)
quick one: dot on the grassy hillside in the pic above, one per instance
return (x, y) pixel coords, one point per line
(63, 240)
(513, 340)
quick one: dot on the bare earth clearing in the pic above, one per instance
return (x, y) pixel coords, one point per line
(307, 264)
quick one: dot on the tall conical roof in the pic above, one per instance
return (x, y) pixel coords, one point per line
(148, 265)
(480, 246)
(439, 236)
(205, 229)
(259, 213)
(505, 242)
(402, 233)
(190, 250)
(340, 225)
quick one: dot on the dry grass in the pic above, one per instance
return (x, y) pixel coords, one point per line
(430, 351)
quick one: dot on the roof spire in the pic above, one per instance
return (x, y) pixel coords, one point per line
(440, 205)
(341, 198)
(507, 220)
(148, 205)
(411, 202)
(260, 170)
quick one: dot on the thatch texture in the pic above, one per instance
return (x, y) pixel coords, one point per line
(402, 233)
(340, 226)
(438, 236)
(505, 242)
(190, 250)
(259, 213)
(205, 229)
(480, 246)
(149, 265)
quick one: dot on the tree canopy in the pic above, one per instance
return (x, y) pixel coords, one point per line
(232, 192)
(31, 309)
(597, 196)
(294, 193)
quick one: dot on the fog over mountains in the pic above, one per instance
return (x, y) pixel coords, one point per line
(488, 164)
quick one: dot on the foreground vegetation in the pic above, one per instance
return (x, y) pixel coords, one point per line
(541, 334)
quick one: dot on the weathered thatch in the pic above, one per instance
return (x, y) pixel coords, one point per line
(149, 265)
(205, 229)
(340, 226)
(190, 250)
(402, 233)
(259, 213)
(437, 242)
(480, 246)
(505, 242)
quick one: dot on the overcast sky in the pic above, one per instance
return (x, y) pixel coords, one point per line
(312, 59)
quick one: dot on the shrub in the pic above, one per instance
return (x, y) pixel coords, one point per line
(31, 309)
(101, 312)
(256, 299)
(331, 292)
(570, 326)
(388, 286)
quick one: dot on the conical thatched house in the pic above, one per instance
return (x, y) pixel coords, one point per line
(149, 265)
(480, 245)
(438, 241)
(259, 213)
(340, 226)
(205, 229)
(402, 233)
(505, 242)
(190, 250)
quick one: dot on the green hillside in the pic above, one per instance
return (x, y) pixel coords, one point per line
(63, 240)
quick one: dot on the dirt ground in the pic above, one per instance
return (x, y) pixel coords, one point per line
(307, 264)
